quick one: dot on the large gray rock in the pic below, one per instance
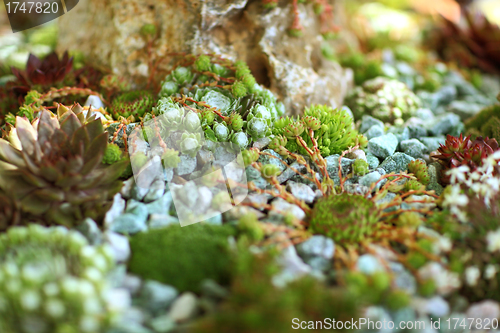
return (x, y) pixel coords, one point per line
(108, 33)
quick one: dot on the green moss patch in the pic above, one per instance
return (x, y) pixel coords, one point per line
(182, 257)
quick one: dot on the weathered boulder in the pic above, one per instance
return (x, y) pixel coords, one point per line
(108, 33)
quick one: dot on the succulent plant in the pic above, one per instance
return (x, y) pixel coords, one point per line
(112, 154)
(459, 151)
(43, 75)
(44, 72)
(52, 168)
(170, 158)
(337, 132)
(240, 139)
(190, 143)
(270, 170)
(235, 121)
(470, 45)
(346, 218)
(360, 167)
(250, 156)
(182, 257)
(333, 130)
(226, 97)
(419, 169)
(413, 185)
(386, 99)
(257, 128)
(132, 105)
(53, 281)
(221, 132)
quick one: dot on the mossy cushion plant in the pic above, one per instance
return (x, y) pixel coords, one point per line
(346, 218)
(486, 123)
(183, 256)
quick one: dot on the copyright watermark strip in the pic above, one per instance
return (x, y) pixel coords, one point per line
(28, 14)
(369, 324)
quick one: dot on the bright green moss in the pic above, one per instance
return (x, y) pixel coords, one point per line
(182, 257)
(346, 218)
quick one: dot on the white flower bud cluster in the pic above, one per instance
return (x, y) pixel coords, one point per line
(483, 182)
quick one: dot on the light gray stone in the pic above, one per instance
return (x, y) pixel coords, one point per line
(160, 221)
(156, 190)
(289, 172)
(117, 208)
(372, 161)
(119, 245)
(383, 146)
(91, 231)
(157, 297)
(317, 246)
(432, 143)
(128, 224)
(301, 191)
(186, 166)
(292, 267)
(447, 123)
(160, 206)
(368, 122)
(162, 324)
(184, 307)
(281, 207)
(370, 178)
(396, 163)
(369, 264)
(374, 131)
(413, 147)
(417, 131)
(403, 279)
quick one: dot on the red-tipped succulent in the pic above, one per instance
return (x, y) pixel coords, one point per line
(459, 151)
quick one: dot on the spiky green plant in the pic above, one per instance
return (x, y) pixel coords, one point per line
(52, 168)
(333, 130)
(132, 105)
(51, 280)
(346, 218)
